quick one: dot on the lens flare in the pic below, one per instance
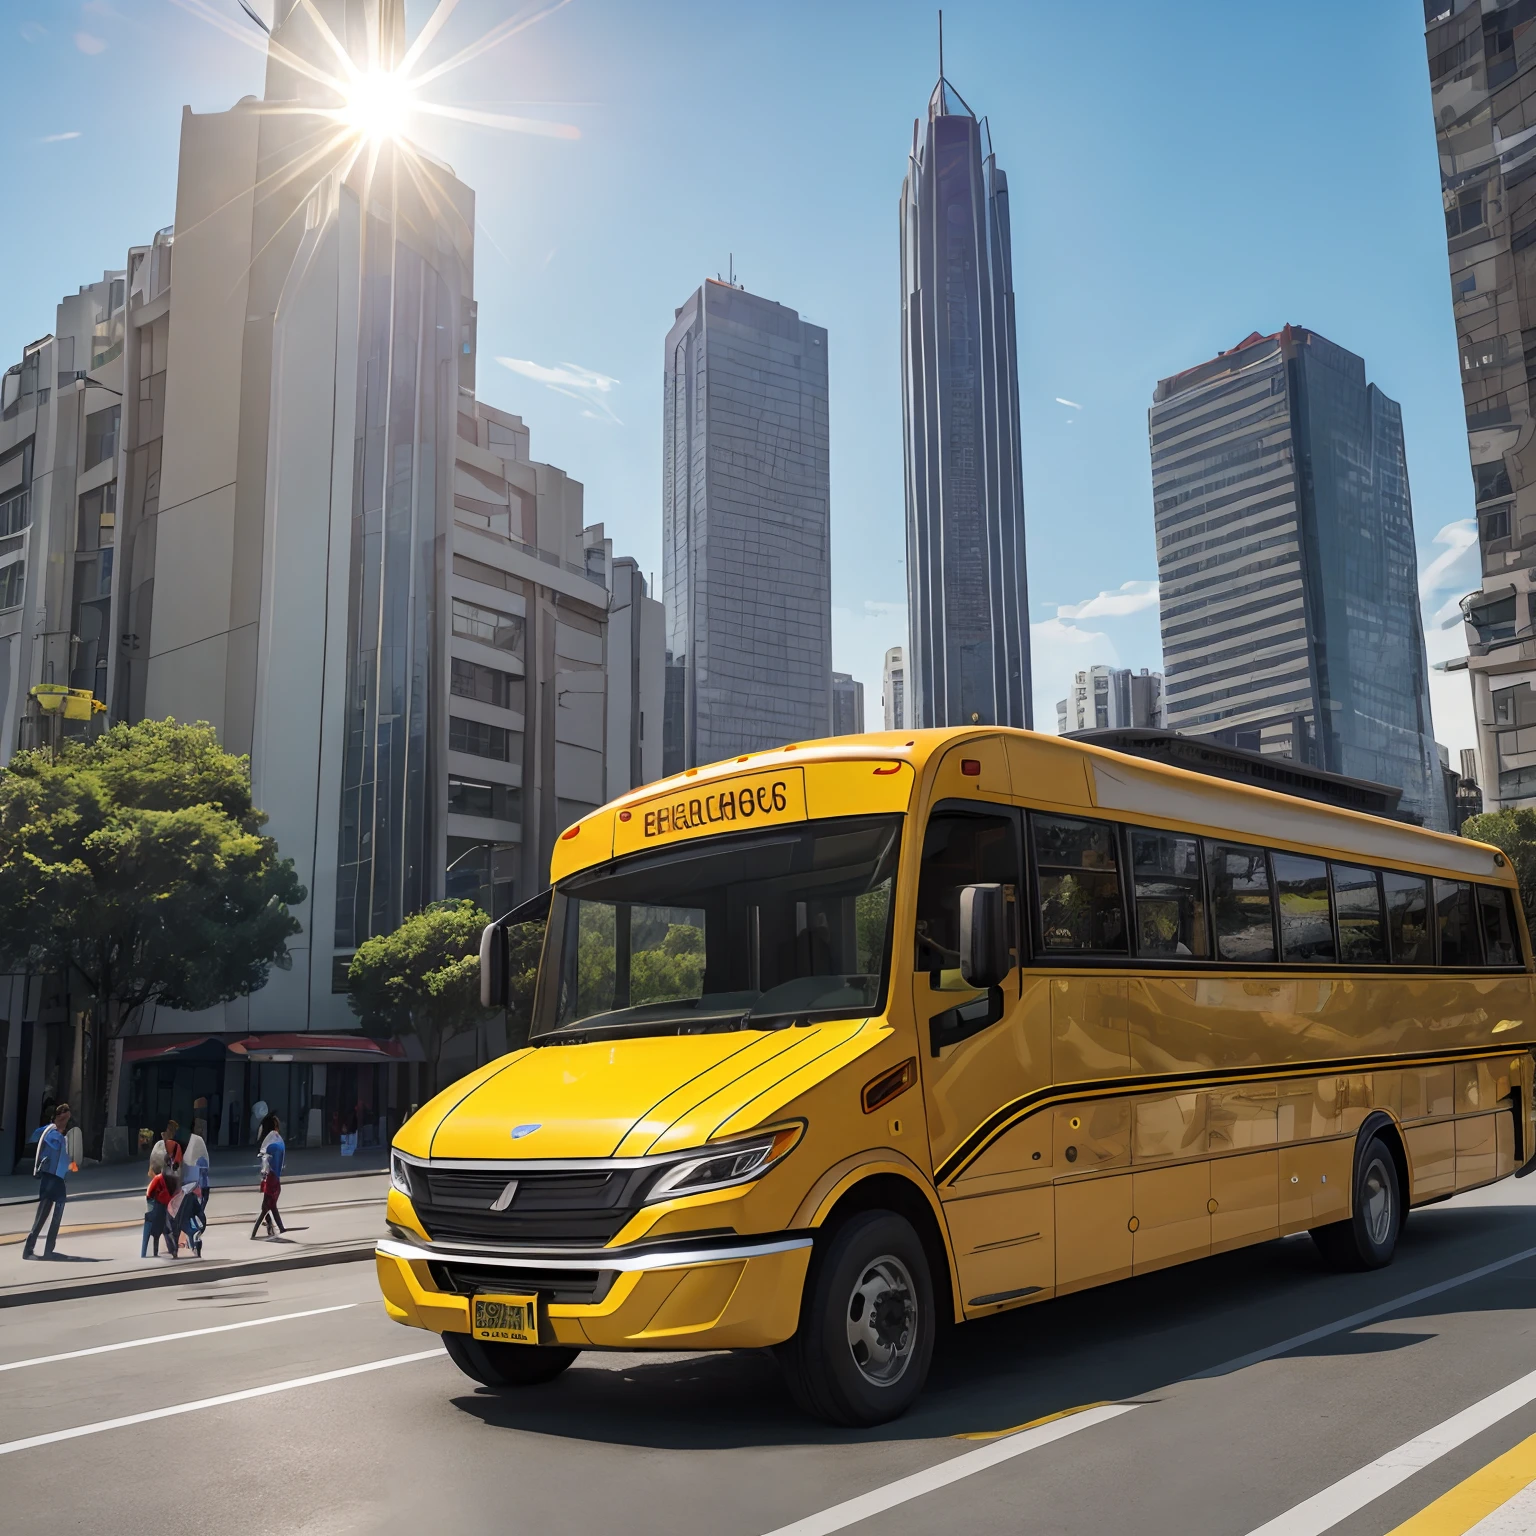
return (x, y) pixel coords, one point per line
(378, 105)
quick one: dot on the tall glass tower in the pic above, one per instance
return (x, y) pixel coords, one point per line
(967, 591)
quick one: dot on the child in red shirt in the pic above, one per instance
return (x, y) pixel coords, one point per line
(156, 1222)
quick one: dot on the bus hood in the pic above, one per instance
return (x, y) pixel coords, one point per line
(628, 1098)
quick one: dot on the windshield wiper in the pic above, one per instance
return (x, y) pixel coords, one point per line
(713, 1023)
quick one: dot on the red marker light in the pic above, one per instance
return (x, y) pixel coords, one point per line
(894, 768)
(570, 832)
(623, 815)
(970, 767)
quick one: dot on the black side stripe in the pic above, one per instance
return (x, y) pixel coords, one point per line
(1011, 1114)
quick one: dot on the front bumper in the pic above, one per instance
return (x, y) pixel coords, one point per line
(739, 1293)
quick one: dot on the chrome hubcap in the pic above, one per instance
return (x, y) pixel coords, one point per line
(882, 1320)
(1376, 1204)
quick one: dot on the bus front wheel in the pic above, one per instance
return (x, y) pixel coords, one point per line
(865, 1341)
(507, 1365)
(1368, 1238)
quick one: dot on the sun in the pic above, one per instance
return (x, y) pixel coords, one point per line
(378, 105)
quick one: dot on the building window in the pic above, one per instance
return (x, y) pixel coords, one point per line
(15, 512)
(12, 578)
(1495, 521)
(474, 797)
(98, 518)
(479, 739)
(488, 625)
(487, 684)
(1491, 480)
(101, 436)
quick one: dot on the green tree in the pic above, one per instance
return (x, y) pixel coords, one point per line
(135, 866)
(1514, 833)
(423, 979)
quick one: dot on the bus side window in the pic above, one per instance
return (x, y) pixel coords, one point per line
(1306, 924)
(1458, 927)
(959, 849)
(1242, 906)
(1357, 901)
(1501, 933)
(1081, 907)
(1170, 905)
(1408, 918)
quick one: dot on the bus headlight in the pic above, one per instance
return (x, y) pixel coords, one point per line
(737, 1162)
(400, 1174)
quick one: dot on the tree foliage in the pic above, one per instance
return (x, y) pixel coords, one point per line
(423, 979)
(1514, 833)
(136, 863)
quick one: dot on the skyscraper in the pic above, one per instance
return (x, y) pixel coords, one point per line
(745, 534)
(1112, 699)
(893, 688)
(1285, 553)
(1481, 70)
(967, 591)
(847, 705)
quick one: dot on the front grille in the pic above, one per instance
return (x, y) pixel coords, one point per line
(549, 1208)
(572, 1286)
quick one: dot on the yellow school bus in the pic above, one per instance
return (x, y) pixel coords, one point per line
(836, 1042)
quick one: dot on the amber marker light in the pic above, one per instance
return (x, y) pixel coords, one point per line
(890, 1085)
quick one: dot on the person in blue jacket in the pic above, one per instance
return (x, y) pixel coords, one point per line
(50, 1168)
(272, 1150)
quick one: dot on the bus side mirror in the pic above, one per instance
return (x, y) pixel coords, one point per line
(493, 966)
(984, 956)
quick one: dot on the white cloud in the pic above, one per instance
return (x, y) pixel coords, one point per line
(58, 138)
(1072, 403)
(573, 381)
(1131, 597)
(1456, 539)
(1052, 632)
(87, 43)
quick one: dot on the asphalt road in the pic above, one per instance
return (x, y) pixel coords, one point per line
(339, 1421)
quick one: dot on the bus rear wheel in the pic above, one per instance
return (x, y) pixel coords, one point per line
(1368, 1238)
(507, 1365)
(865, 1341)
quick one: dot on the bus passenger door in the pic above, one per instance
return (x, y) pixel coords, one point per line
(981, 1051)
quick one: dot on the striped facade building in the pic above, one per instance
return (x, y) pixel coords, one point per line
(1289, 602)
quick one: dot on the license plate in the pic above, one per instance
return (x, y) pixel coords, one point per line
(505, 1319)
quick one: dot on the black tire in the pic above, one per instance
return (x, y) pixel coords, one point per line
(861, 1353)
(1368, 1239)
(507, 1365)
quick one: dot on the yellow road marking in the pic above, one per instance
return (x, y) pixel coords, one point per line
(1471, 1500)
(997, 1434)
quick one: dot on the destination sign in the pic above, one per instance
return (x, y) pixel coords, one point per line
(726, 805)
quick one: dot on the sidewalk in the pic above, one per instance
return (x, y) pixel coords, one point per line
(99, 1247)
(229, 1167)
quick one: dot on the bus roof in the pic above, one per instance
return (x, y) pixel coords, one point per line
(1079, 775)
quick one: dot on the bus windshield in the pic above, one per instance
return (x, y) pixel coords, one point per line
(757, 931)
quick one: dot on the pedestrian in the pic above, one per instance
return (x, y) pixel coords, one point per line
(272, 1151)
(193, 1216)
(157, 1200)
(167, 1151)
(50, 1167)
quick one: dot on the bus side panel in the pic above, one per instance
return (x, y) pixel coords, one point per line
(1093, 1232)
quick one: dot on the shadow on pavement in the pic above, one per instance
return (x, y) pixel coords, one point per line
(1118, 1341)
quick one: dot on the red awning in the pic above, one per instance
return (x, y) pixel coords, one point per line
(149, 1052)
(317, 1048)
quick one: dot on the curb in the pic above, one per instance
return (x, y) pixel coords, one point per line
(138, 1189)
(192, 1272)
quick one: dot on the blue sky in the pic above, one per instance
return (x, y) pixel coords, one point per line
(1180, 176)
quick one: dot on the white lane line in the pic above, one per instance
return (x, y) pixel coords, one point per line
(100, 1427)
(166, 1338)
(1324, 1510)
(1356, 1320)
(840, 1516)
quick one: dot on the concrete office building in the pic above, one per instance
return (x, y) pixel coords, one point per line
(847, 705)
(329, 549)
(967, 590)
(1482, 73)
(1112, 698)
(746, 566)
(893, 689)
(1288, 587)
